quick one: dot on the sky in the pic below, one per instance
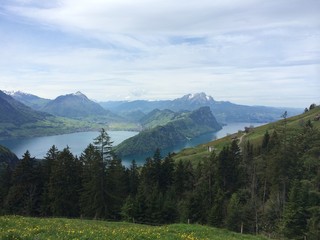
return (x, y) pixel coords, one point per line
(251, 52)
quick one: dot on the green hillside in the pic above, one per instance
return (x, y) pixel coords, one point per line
(15, 227)
(254, 135)
(158, 117)
(182, 127)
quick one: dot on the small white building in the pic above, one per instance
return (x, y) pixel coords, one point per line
(211, 148)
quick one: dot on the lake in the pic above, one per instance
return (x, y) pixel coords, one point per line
(77, 142)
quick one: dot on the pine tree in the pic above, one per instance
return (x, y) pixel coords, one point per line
(103, 144)
(46, 167)
(25, 193)
(133, 179)
(117, 190)
(5, 184)
(93, 196)
(294, 222)
(64, 186)
(234, 214)
(166, 174)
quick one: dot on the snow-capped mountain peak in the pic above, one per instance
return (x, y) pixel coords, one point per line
(198, 97)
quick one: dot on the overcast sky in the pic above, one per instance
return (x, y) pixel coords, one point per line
(252, 52)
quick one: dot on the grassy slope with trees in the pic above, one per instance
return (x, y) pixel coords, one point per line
(265, 186)
(255, 136)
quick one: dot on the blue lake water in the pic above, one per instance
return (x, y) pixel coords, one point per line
(77, 142)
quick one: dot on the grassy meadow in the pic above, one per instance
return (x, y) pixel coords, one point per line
(17, 227)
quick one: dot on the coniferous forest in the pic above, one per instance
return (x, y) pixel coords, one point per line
(270, 188)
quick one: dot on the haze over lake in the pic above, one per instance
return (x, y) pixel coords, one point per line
(77, 142)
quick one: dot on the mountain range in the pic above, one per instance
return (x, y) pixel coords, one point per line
(77, 105)
(225, 112)
(16, 113)
(19, 120)
(30, 100)
(81, 113)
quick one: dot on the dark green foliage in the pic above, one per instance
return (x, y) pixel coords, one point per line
(64, 185)
(5, 184)
(116, 187)
(295, 215)
(93, 195)
(234, 213)
(312, 106)
(24, 195)
(47, 164)
(7, 157)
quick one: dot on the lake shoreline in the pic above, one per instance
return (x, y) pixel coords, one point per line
(78, 141)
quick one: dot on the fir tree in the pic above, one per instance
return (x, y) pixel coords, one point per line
(93, 196)
(25, 193)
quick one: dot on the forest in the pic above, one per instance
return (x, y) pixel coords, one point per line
(271, 188)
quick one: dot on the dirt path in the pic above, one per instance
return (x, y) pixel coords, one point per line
(241, 138)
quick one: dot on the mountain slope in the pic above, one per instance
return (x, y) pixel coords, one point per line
(179, 130)
(29, 100)
(75, 105)
(158, 117)
(14, 112)
(255, 136)
(18, 120)
(7, 157)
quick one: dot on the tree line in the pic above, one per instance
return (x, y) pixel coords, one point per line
(271, 188)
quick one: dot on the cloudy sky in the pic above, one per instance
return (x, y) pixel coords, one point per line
(252, 52)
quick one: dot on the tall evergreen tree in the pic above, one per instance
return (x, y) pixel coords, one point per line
(5, 184)
(64, 186)
(93, 196)
(25, 193)
(103, 144)
(133, 179)
(46, 165)
(294, 222)
(117, 190)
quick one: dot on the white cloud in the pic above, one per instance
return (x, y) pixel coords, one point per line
(247, 51)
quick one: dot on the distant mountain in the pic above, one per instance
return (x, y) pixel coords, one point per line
(75, 105)
(224, 111)
(145, 106)
(191, 102)
(12, 112)
(29, 100)
(184, 126)
(18, 120)
(133, 116)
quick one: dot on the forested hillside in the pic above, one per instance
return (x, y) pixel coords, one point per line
(170, 129)
(269, 187)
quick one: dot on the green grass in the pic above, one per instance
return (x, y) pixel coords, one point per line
(16, 227)
(293, 123)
